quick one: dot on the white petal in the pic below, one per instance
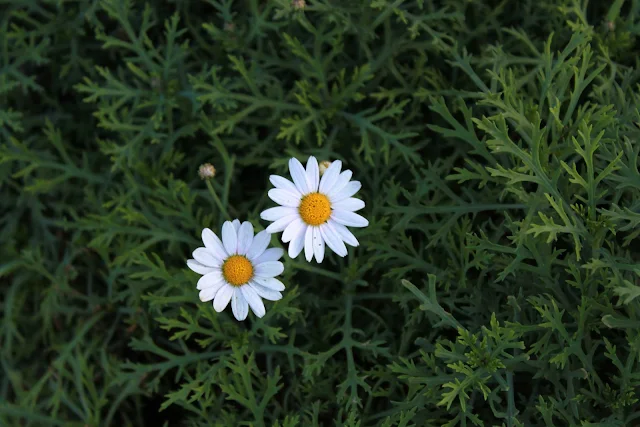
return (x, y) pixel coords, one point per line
(350, 204)
(214, 244)
(269, 269)
(308, 244)
(293, 229)
(313, 174)
(206, 258)
(271, 254)
(266, 293)
(333, 240)
(245, 237)
(318, 244)
(269, 282)
(229, 238)
(209, 292)
(344, 233)
(256, 304)
(284, 197)
(236, 224)
(239, 305)
(223, 296)
(210, 280)
(282, 223)
(349, 190)
(198, 268)
(274, 214)
(343, 179)
(299, 175)
(330, 176)
(350, 219)
(297, 243)
(284, 184)
(259, 244)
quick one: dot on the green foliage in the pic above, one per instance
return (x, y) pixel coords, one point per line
(497, 143)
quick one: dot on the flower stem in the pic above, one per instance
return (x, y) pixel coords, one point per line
(216, 199)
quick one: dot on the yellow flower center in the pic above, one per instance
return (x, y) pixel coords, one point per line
(315, 209)
(237, 270)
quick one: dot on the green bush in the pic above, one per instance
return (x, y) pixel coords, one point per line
(497, 144)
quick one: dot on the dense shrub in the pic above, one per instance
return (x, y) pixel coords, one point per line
(497, 144)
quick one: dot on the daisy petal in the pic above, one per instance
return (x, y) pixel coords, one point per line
(245, 237)
(284, 197)
(236, 224)
(206, 258)
(271, 254)
(297, 243)
(259, 244)
(284, 184)
(292, 230)
(274, 214)
(196, 267)
(229, 238)
(256, 304)
(313, 174)
(318, 244)
(332, 239)
(349, 219)
(346, 235)
(271, 283)
(350, 204)
(223, 296)
(266, 293)
(239, 305)
(208, 293)
(330, 176)
(269, 269)
(210, 280)
(214, 244)
(308, 244)
(349, 190)
(282, 223)
(343, 179)
(299, 175)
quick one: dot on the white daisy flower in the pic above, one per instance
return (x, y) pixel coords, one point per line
(315, 210)
(239, 268)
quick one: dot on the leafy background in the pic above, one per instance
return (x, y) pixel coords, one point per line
(497, 144)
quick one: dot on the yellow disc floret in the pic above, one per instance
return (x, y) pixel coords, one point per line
(315, 209)
(237, 270)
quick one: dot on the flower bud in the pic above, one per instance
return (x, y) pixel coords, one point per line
(207, 171)
(323, 166)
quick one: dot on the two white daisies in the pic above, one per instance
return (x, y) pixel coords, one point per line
(314, 212)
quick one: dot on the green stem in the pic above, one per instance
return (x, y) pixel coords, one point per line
(216, 199)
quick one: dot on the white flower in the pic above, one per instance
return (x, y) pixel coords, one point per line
(315, 210)
(239, 268)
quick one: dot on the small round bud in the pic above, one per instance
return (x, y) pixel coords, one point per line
(207, 171)
(229, 27)
(298, 4)
(323, 166)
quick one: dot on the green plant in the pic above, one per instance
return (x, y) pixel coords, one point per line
(497, 145)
